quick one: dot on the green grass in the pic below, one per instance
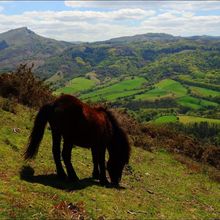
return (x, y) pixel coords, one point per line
(203, 92)
(118, 90)
(165, 88)
(166, 119)
(195, 103)
(77, 85)
(185, 119)
(159, 187)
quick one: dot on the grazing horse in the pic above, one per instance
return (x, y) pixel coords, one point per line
(89, 127)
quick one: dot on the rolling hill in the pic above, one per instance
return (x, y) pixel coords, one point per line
(154, 72)
(152, 55)
(22, 45)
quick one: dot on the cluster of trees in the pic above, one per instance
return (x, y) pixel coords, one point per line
(203, 131)
(23, 87)
(158, 103)
(153, 59)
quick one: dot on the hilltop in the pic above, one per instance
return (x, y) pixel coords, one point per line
(22, 45)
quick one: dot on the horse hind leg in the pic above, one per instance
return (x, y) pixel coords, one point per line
(101, 161)
(66, 154)
(95, 172)
(56, 154)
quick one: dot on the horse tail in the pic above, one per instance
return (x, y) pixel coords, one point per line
(119, 140)
(37, 132)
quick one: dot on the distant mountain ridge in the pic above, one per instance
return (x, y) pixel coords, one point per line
(144, 37)
(153, 55)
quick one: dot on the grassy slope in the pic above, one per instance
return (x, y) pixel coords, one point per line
(159, 186)
(174, 89)
(129, 87)
(204, 92)
(76, 85)
(165, 88)
(185, 119)
(195, 103)
(166, 119)
(121, 89)
(190, 119)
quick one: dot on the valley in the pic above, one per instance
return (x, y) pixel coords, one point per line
(165, 74)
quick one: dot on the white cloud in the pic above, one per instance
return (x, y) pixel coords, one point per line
(125, 18)
(1, 8)
(178, 6)
(109, 4)
(136, 14)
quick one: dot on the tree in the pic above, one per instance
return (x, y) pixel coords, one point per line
(24, 87)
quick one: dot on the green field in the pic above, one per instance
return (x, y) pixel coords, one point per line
(166, 119)
(193, 119)
(123, 88)
(195, 103)
(204, 92)
(185, 119)
(156, 185)
(163, 89)
(133, 87)
(76, 85)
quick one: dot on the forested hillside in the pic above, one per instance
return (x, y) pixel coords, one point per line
(22, 45)
(153, 75)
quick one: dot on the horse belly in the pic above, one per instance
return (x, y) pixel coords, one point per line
(81, 138)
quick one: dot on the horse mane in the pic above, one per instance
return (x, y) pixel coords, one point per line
(120, 141)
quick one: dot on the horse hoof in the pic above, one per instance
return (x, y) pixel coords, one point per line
(104, 183)
(73, 179)
(115, 185)
(95, 176)
(62, 176)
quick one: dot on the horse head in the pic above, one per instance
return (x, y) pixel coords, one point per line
(119, 149)
(115, 169)
(119, 154)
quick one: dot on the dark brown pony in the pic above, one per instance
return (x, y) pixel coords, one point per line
(89, 127)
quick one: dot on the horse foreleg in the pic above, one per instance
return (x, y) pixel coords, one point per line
(66, 154)
(101, 160)
(95, 172)
(56, 154)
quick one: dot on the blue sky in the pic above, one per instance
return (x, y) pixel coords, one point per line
(100, 20)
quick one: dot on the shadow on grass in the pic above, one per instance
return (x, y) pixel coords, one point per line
(27, 174)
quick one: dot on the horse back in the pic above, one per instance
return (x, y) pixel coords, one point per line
(81, 124)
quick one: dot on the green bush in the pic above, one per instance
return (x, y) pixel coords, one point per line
(22, 86)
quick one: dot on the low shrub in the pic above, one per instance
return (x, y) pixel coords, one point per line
(22, 86)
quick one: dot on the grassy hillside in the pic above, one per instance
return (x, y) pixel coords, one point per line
(180, 74)
(148, 183)
(155, 57)
(76, 85)
(123, 88)
(165, 88)
(195, 103)
(185, 119)
(204, 92)
(149, 101)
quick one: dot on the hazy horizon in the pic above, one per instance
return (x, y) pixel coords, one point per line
(110, 38)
